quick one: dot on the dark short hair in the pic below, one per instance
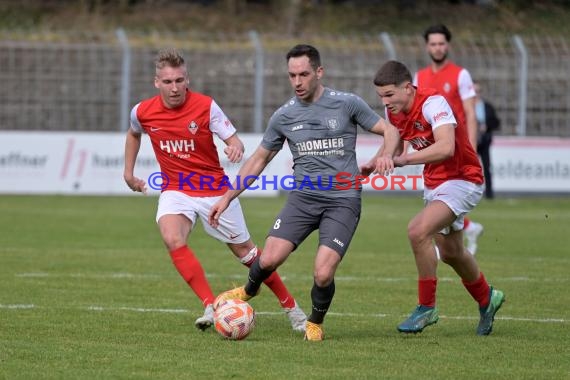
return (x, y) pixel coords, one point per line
(392, 72)
(437, 29)
(310, 51)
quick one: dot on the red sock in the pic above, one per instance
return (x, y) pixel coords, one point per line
(479, 290)
(466, 222)
(276, 285)
(192, 272)
(426, 291)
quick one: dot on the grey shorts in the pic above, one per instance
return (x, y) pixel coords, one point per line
(335, 218)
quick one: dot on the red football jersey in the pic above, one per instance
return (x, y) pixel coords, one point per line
(429, 111)
(183, 142)
(453, 82)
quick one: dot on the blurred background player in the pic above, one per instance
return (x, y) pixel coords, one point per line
(453, 187)
(181, 125)
(320, 126)
(487, 123)
(455, 84)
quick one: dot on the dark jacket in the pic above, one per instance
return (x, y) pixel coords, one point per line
(491, 120)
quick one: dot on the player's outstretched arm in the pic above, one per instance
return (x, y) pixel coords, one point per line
(370, 167)
(471, 119)
(132, 147)
(250, 169)
(392, 146)
(234, 149)
(441, 150)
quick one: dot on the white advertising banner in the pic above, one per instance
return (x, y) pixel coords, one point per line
(92, 163)
(518, 164)
(531, 164)
(66, 163)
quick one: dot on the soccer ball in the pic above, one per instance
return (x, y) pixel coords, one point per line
(234, 319)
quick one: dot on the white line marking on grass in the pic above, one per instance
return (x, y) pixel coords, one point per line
(118, 275)
(147, 310)
(142, 276)
(17, 306)
(342, 315)
(540, 320)
(32, 274)
(137, 309)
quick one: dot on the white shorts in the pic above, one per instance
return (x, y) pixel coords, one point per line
(460, 196)
(232, 228)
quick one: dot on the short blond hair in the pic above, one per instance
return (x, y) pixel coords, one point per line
(169, 57)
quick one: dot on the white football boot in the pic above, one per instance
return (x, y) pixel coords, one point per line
(297, 317)
(206, 320)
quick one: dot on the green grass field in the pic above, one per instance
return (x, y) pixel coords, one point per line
(87, 291)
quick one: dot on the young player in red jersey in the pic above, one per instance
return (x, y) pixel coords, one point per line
(455, 84)
(181, 125)
(453, 187)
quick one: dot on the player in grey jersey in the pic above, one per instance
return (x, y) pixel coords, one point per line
(319, 125)
(322, 138)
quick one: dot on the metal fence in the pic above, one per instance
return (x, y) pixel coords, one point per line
(57, 83)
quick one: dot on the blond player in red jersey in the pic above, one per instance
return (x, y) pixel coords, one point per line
(181, 125)
(456, 85)
(453, 186)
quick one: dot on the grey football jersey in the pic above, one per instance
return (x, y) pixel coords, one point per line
(322, 139)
